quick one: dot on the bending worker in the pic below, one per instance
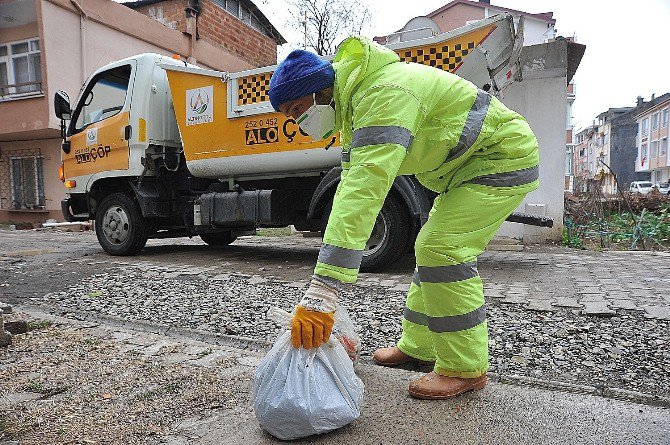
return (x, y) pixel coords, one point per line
(398, 118)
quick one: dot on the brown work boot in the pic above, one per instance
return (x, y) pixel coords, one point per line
(393, 357)
(438, 387)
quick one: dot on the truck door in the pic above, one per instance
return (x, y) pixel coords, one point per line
(99, 130)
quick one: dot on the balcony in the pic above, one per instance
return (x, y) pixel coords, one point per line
(20, 90)
(642, 165)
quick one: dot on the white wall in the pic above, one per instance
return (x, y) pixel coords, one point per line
(540, 98)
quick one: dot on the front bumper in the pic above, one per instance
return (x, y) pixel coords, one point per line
(66, 205)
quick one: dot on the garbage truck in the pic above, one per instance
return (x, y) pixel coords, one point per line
(154, 147)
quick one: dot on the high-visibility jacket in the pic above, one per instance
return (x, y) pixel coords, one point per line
(398, 118)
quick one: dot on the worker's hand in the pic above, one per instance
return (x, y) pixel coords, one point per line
(314, 317)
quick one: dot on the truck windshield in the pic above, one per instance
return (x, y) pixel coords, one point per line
(103, 98)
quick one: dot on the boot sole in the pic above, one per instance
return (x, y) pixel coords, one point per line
(426, 396)
(403, 362)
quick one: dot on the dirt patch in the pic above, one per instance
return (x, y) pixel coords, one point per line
(59, 385)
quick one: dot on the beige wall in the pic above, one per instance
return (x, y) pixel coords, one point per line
(457, 16)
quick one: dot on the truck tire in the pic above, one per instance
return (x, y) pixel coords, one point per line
(218, 239)
(390, 235)
(119, 225)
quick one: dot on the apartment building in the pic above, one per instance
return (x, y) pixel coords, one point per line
(652, 140)
(583, 164)
(50, 45)
(607, 125)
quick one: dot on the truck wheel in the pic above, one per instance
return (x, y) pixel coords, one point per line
(119, 225)
(218, 239)
(389, 238)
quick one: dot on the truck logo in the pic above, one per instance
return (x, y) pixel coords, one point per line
(200, 105)
(92, 136)
(83, 156)
(264, 135)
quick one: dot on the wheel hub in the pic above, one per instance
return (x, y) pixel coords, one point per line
(115, 225)
(378, 236)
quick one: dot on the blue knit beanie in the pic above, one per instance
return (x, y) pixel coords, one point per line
(302, 73)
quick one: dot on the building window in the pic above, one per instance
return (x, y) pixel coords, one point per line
(664, 146)
(238, 9)
(664, 118)
(644, 155)
(645, 127)
(20, 69)
(27, 179)
(654, 149)
(654, 122)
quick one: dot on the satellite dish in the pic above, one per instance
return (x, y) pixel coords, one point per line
(419, 27)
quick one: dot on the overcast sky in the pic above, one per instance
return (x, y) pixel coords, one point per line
(627, 47)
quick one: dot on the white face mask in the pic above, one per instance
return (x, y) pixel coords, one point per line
(318, 121)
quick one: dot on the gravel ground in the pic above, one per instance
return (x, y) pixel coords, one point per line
(80, 396)
(626, 351)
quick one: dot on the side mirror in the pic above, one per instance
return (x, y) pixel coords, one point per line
(62, 105)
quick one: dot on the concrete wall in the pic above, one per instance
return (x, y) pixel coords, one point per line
(540, 97)
(534, 32)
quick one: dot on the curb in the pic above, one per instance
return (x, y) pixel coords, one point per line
(246, 343)
(232, 341)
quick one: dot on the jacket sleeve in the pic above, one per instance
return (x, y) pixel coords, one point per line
(384, 124)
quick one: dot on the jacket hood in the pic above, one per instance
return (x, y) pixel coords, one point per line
(356, 58)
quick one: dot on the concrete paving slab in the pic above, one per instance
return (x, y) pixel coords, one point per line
(500, 414)
(659, 312)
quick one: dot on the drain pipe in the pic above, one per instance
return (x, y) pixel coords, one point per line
(192, 13)
(82, 37)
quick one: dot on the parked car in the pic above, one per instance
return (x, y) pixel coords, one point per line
(642, 187)
(663, 187)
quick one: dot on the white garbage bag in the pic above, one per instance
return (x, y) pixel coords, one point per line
(299, 392)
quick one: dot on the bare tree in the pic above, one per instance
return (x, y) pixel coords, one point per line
(327, 22)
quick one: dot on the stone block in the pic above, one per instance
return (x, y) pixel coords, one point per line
(657, 312)
(623, 304)
(597, 308)
(514, 299)
(540, 305)
(15, 324)
(6, 308)
(5, 337)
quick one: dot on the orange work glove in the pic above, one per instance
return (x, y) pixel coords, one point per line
(310, 328)
(314, 317)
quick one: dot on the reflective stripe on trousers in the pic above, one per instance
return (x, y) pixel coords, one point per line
(509, 179)
(446, 274)
(340, 256)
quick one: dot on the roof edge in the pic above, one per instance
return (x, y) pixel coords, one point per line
(544, 16)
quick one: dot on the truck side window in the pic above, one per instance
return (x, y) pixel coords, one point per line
(104, 97)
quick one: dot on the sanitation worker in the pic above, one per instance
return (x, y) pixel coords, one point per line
(398, 118)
